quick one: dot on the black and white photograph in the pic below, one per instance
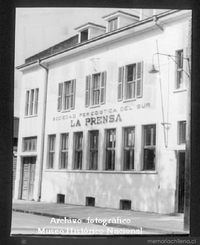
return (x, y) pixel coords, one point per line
(102, 112)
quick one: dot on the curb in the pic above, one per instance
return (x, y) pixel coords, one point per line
(159, 231)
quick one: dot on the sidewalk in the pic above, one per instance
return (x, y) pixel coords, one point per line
(152, 222)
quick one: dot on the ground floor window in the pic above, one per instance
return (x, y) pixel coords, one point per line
(129, 145)
(110, 149)
(93, 160)
(149, 148)
(78, 140)
(51, 151)
(64, 151)
(30, 144)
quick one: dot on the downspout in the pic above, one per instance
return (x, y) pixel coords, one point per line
(43, 130)
(155, 19)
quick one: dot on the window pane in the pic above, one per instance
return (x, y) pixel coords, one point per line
(182, 132)
(130, 73)
(149, 159)
(149, 135)
(36, 100)
(128, 159)
(31, 102)
(30, 144)
(27, 103)
(78, 150)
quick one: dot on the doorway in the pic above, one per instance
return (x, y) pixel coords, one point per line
(181, 181)
(28, 177)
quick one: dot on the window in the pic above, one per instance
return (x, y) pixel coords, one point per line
(66, 95)
(84, 35)
(64, 151)
(179, 69)
(32, 97)
(149, 147)
(78, 150)
(132, 87)
(93, 161)
(129, 144)
(51, 151)
(181, 132)
(95, 89)
(110, 149)
(30, 144)
(112, 24)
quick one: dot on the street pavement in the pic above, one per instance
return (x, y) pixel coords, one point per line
(127, 219)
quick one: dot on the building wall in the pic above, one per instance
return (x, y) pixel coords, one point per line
(30, 126)
(152, 191)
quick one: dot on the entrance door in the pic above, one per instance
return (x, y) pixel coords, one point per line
(28, 177)
(181, 182)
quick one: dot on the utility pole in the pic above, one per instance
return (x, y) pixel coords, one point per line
(188, 141)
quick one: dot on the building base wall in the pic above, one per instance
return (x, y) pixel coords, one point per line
(108, 189)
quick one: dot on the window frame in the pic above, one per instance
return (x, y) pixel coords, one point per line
(181, 133)
(113, 24)
(90, 89)
(130, 149)
(30, 144)
(51, 152)
(93, 151)
(78, 151)
(136, 81)
(112, 149)
(179, 70)
(31, 102)
(64, 137)
(62, 105)
(149, 147)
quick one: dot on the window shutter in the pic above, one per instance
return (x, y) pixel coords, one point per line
(73, 89)
(36, 101)
(27, 103)
(60, 90)
(139, 73)
(103, 87)
(87, 91)
(120, 83)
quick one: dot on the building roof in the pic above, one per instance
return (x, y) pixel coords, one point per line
(53, 49)
(72, 43)
(88, 25)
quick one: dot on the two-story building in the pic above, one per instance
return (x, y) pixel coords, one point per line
(96, 128)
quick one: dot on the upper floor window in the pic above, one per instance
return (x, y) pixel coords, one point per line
(94, 141)
(179, 70)
(32, 97)
(64, 151)
(78, 149)
(110, 149)
(51, 151)
(112, 24)
(66, 95)
(129, 148)
(95, 89)
(149, 147)
(30, 144)
(130, 82)
(84, 35)
(181, 132)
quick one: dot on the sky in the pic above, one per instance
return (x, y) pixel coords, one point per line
(39, 28)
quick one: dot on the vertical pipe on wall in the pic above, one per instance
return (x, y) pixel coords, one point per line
(43, 130)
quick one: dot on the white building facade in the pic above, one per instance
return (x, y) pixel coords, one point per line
(96, 128)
